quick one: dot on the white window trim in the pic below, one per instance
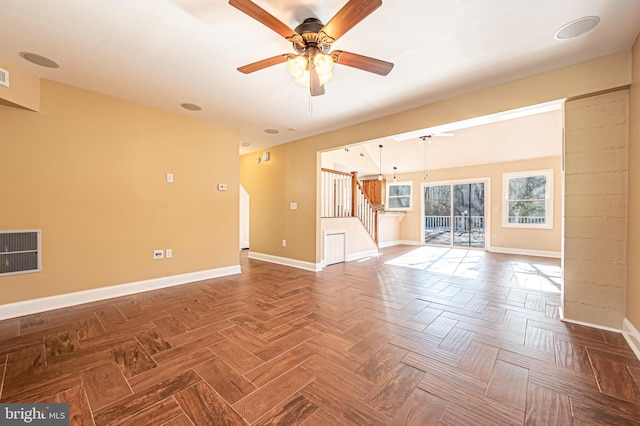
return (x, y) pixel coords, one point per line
(400, 209)
(548, 174)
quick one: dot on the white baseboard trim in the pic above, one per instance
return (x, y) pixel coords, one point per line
(308, 266)
(400, 243)
(632, 336)
(362, 255)
(28, 307)
(389, 244)
(525, 252)
(588, 324)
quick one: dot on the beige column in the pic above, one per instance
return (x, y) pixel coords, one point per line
(595, 209)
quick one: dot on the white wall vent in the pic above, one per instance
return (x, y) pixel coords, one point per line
(20, 252)
(4, 77)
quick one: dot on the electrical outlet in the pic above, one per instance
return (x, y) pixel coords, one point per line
(158, 254)
(169, 253)
(284, 243)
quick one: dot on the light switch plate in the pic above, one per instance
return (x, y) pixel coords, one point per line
(222, 187)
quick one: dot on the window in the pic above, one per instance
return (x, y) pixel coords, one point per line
(399, 196)
(528, 200)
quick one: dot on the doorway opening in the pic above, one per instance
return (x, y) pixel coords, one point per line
(244, 218)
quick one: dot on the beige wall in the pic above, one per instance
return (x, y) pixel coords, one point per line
(23, 90)
(633, 225)
(517, 239)
(272, 185)
(90, 171)
(389, 228)
(299, 173)
(595, 206)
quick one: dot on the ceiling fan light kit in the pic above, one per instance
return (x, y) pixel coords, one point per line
(312, 65)
(299, 65)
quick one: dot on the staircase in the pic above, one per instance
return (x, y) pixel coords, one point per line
(343, 196)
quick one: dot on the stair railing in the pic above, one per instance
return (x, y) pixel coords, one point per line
(342, 196)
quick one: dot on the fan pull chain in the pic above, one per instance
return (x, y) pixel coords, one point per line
(310, 105)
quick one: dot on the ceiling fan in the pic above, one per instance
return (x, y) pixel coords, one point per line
(434, 135)
(312, 63)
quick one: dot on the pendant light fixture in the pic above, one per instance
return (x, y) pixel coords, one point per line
(426, 140)
(380, 175)
(394, 174)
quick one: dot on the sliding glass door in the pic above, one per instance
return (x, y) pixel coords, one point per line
(468, 214)
(437, 215)
(454, 214)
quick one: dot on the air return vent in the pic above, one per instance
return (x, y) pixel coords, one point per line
(4, 77)
(20, 252)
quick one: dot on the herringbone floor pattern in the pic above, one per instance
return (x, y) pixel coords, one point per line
(435, 337)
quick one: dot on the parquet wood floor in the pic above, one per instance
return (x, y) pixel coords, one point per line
(462, 338)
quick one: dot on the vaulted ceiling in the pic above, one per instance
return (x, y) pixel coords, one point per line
(164, 53)
(510, 136)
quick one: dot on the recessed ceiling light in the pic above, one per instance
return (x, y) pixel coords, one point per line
(34, 58)
(191, 107)
(271, 131)
(245, 144)
(577, 28)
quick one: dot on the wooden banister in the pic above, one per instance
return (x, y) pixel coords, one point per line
(336, 172)
(334, 187)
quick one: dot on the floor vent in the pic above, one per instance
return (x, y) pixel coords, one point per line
(4, 77)
(20, 252)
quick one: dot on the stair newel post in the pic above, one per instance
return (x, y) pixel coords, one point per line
(375, 226)
(354, 186)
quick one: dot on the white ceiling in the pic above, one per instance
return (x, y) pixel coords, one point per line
(166, 52)
(532, 136)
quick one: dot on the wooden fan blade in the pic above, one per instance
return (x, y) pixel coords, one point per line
(264, 63)
(346, 18)
(264, 17)
(315, 87)
(365, 63)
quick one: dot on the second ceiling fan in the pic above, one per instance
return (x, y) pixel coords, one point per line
(312, 63)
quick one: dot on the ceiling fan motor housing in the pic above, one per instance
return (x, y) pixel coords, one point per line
(309, 30)
(309, 25)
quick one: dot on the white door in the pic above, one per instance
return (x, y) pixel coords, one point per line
(244, 218)
(334, 250)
